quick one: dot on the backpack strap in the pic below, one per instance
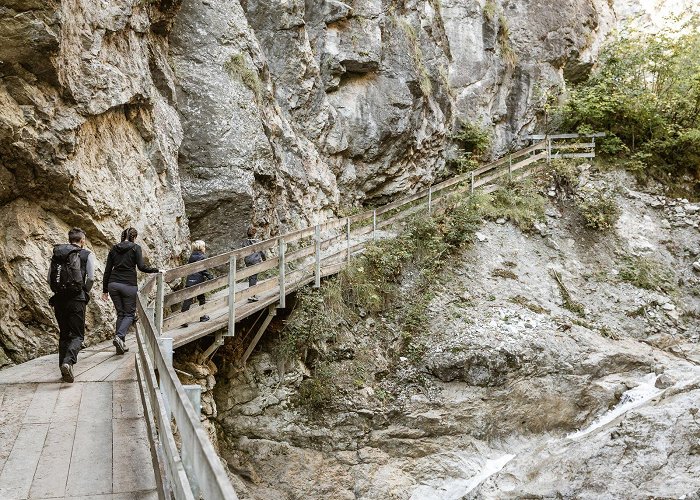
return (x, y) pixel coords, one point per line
(84, 255)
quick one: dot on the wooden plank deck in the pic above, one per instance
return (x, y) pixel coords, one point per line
(87, 439)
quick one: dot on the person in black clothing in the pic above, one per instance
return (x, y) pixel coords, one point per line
(198, 249)
(253, 259)
(121, 285)
(69, 307)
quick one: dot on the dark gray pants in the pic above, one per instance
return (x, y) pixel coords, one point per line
(124, 299)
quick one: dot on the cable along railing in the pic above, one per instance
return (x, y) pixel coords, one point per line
(298, 258)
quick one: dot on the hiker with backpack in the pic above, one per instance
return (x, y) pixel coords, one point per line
(198, 249)
(253, 259)
(71, 276)
(120, 283)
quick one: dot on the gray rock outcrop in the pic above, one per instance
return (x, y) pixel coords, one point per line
(292, 110)
(87, 138)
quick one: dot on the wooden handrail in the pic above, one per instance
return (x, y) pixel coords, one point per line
(198, 469)
(438, 192)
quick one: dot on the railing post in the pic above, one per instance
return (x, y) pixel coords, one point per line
(165, 344)
(510, 166)
(347, 237)
(472, 189)
(430, 199)
(283, 293)
(374, 224)
(231, 296)
(317, 266)
(549, 149)
(593, 142)
(159, 304)
(194, 394)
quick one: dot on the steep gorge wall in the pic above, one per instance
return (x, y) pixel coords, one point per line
(200, 116)
(89, 138)
(295, 109)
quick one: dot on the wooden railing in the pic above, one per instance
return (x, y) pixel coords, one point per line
(295, 259)
(340, 235)
(193, 470)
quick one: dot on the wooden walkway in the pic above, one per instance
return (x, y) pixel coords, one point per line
(93, 439)
(85, 440)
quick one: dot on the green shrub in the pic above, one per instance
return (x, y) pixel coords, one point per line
(599, 210)
(472, 138)
(237, 67)
(647, 273)
(565, 174)
(520, 203)
(318, 392)
(645, 94)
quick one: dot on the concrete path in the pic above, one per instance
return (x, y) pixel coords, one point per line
(85, 440)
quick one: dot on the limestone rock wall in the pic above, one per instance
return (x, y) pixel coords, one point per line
(277, 112)
(88, 137)
(293, 110)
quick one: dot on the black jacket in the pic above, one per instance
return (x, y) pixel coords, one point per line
(122, 261)
(255, 257)
(201, 276)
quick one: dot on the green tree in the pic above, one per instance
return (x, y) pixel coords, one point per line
(645, 93)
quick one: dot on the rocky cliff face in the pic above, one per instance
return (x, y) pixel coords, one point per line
(88, 137)
(508, 393)
(274, 112)
(292, 110)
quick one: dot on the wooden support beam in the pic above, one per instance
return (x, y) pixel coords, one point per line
(347, 237)
(159, 304)
(317, 263)
(231, 297)
(271, 311)
(374, 224)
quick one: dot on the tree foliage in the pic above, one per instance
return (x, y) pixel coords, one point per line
(646, 94)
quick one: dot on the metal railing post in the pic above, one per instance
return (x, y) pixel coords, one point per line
(347, 237)
(374, 224)
(283, 293)
(472, 189)
(317, 266)
(549, 150)
(160, 291)
(430, 199)
(231, 296)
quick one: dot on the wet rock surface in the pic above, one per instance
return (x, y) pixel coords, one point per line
(512, 395)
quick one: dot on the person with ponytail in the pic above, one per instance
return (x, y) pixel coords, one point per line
(120, 283)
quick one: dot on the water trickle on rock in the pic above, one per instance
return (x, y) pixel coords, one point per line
(630, 399)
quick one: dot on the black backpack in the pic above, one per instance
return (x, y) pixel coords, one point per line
(253, 258)
(66, 273)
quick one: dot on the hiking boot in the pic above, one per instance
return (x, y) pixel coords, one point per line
(119, 344)
(67, 373)
(254, 298)
(184, 325)
(204, 318)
